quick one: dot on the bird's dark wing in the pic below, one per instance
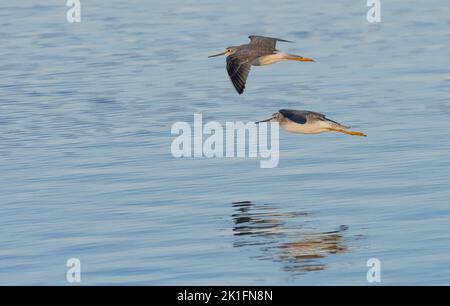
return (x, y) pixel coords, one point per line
(238, 67)
(265, 42)
(299, 117)
(322, 117)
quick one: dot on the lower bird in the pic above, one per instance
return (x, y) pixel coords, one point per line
(260, 51)
(306, 122)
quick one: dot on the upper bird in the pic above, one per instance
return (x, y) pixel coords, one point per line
(306, 122)
(259, 52)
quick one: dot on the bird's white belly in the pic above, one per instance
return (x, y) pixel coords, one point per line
(307, 128)
(268, 59)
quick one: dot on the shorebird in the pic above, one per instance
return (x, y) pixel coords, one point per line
(259, 52)
(306, 122)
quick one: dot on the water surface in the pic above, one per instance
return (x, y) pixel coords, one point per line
(86, 169)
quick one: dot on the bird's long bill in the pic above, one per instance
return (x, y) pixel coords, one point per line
(218, 54)
(267, 120)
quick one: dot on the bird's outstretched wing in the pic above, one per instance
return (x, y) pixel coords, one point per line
(238, 67)
(264, 42)
(319, 116)
(301, 117)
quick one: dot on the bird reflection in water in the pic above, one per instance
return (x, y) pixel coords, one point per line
(286, 237)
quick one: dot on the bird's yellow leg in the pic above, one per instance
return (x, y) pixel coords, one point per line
(300, 59)
(349, 132)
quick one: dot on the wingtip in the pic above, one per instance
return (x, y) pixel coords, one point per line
(284, 40)
(238, 89)
(278, 39)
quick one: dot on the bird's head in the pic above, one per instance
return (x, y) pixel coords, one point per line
(276, 117)
(228, 51)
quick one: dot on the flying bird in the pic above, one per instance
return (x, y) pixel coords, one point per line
(260, 51)
(306, 122)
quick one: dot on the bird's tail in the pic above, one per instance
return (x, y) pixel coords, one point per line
(345, 131)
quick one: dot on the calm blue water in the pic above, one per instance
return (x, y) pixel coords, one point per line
(85, 162)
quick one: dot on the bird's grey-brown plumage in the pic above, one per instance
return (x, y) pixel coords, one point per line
(259, 52)
(263, 42)
(238, 68)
